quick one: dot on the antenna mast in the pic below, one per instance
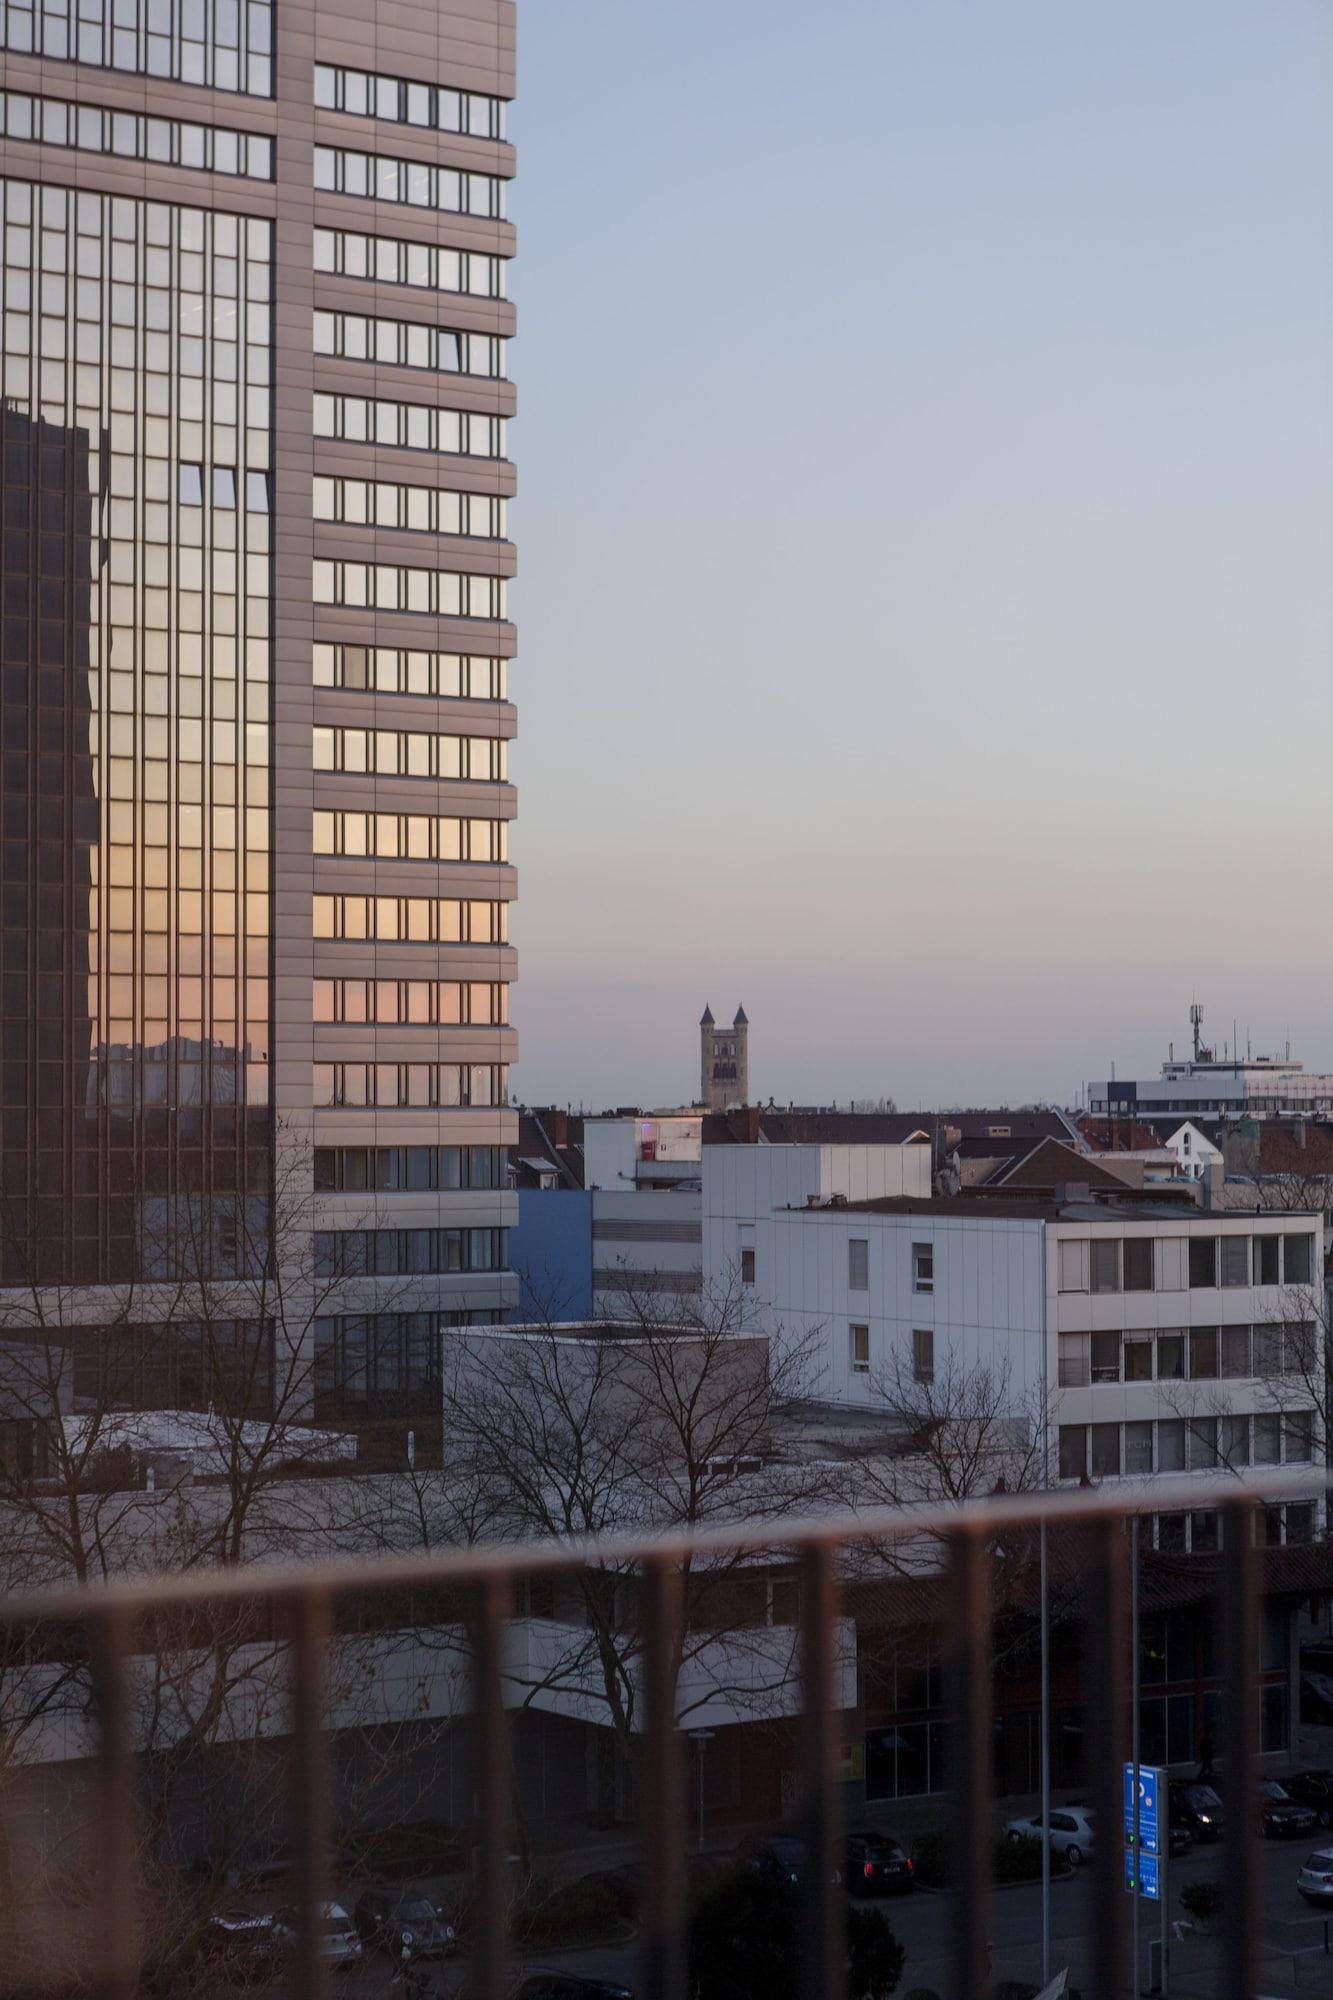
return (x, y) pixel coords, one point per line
(1196, 1022)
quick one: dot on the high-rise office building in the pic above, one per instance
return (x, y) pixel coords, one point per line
(254, 716)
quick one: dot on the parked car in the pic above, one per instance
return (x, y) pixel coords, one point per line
(1179, 1840)
(543, 1985)
(1313, 1789)
(1282, 1817)
(877, 1865)
(1196, 1807)
(339, 1943)
(776, 1854)
(1072, 1832)
(387, 1915)
(240, 1943)
(1315, 1881)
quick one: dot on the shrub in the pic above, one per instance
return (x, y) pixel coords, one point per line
(745, 1943)
(1011, 1860)
(1018, 1860)
(1202, 1899)
(556, 1913)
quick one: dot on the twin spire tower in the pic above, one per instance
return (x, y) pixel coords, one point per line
(724, 1062)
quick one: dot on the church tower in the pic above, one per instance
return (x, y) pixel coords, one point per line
(724, 1062)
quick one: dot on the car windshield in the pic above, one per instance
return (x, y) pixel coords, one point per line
(1202, 1797)
(414, 1910)
(787, 1851)
(1319, 1863)
(1271, 1789)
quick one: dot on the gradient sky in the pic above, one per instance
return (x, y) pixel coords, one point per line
(926, 618)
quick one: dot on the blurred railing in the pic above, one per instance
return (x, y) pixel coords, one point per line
(304, 1603)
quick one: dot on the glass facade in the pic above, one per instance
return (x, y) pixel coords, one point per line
(134, 135)
(134, 711)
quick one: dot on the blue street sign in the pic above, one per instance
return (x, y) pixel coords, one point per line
(1141, 1872)
(1149, 1786)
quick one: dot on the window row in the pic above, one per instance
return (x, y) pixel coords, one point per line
(923, 1352)
(378, 1363)
(133, 135)
(408, 670)
(407, 1169)
(1181, 1444)
(411, 836)
(440, 593)
(407, 343)
(226, 44)
(380, 177)
(410, 753)
(423, 1085)
(444, 1003)
(223, 485)
(1196, 1354)
(425, 510)
(349, 253)
(410, 426)
(395, 1253)
(1180, 1263)
(1200, 1533)
(365, 94)
(411, 919)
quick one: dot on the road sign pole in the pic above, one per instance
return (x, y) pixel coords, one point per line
(1134, 1729)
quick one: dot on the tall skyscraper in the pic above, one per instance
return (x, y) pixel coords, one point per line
(254, 801)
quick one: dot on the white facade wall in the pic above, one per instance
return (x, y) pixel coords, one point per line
(646, 1237)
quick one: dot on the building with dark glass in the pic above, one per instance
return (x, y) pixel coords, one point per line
(254, 649)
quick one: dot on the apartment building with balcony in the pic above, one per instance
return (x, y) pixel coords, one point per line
(254, 956)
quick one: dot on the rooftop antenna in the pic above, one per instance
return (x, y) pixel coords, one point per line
(1196, 1022)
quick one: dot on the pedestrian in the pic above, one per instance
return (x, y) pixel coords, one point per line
(1205, 1755)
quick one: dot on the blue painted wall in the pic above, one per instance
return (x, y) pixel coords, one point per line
(551, 1250)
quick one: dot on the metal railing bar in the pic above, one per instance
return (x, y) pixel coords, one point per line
(895, 1524)
(663, 1873)
(310, 1787)
(1106, 1641)
(1238, 1607)
(494, 1603)
(115, 1936)
(968, 1672)
(823, 1948)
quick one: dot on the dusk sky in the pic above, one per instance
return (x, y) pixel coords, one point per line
(925, 605)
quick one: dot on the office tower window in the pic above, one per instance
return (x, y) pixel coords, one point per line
(410, 836)
(858, 1264)
(409, 343)
(395, 670)
(1203, 1262)
(923, 1354)
(425, 1003)
(407, 1169)
(407, 753)
(1297, 1259)
(395, 1085)
(409, 426)
(860, 1350)
(411, 919)
(226, 44)
(389, 260)
(923, 1267)
(364, 94)
(1138, 1263)
(436, 593)
(1105, 1264)
(1235, 1260)
(381, 177)
(422, 510)
(137, 135)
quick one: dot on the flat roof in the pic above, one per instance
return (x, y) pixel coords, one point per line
(996, 1209)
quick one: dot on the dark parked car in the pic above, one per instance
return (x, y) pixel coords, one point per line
(541, 1985)
(877, 1865)
(1196, 1807)
(1282, 1817)
(385, 1916)
(1313, 1789)
(1179, 1840)
(776, 1854)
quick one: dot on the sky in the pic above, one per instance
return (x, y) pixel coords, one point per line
(925, 605)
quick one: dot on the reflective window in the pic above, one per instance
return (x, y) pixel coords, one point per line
(380, 177)
(411, 919)
(407, 1169)
(394, 1085)
(410, 426)
(390, 261)
(226, 44)
(400, 670)
(401, 343)
(134, 135)
(367, 95)
(413, 1002)
(441, 593)
(427, 510)
(410, 836)
(410, 754)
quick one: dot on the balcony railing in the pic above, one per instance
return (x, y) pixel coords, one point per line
(303, 1603)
